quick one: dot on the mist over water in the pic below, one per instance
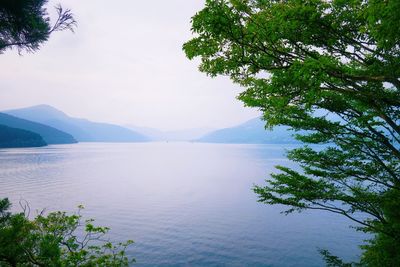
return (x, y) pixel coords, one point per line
(184, 204)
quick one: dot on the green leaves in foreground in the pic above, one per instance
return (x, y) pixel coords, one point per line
(331, 70)
(25, 24)
(56, 239)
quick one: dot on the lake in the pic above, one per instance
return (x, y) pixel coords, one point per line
(184, 204)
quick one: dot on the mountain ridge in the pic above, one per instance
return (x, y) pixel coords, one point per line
(82, 129)
(250, 132)
(50, 134)
(15, 138)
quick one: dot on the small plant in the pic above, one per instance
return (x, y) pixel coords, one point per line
(56, 239)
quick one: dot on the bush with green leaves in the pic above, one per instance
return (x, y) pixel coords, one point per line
(56, 239)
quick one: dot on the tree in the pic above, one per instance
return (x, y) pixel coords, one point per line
(55, 239)
(331, 68)
(25, 24)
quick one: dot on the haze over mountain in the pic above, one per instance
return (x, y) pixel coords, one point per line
(49, 134)
(250, 132)
(178, 135)
(13, 137)
(83, 130)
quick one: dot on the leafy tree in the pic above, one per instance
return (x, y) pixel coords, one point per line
(24, 24)
(331, 68)
(56, 239)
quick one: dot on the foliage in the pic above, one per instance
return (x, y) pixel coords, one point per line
(56, 239)
(333, 261)
(331, 68)
(24, 24)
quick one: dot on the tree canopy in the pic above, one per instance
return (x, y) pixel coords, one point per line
(25, 24)
(331, 68)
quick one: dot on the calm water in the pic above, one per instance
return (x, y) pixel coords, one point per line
(184, 204)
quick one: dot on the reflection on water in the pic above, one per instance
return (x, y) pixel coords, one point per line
(184, 204)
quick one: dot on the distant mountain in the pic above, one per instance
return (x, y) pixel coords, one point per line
(178, 135)
(13, 137)
(49, 134)
(250, 132)
(83, 130)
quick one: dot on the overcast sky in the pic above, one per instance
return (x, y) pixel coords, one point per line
(123, 65)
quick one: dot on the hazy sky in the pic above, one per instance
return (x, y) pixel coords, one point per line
(124, 65)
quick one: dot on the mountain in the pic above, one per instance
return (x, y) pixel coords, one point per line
(178, 135)
(49, 134)
(250, 132)
(13, 137)
(83, 130)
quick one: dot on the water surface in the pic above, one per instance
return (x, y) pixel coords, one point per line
(184, 204)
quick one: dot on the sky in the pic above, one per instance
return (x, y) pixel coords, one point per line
(124, 64)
